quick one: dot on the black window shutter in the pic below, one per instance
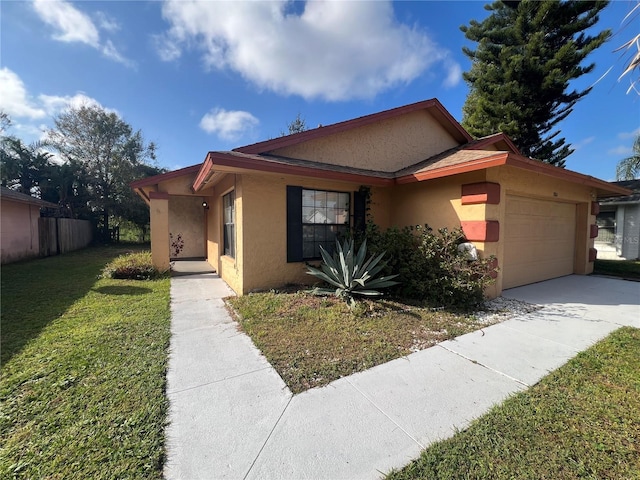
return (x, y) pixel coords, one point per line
(359, 212)
(294, 224)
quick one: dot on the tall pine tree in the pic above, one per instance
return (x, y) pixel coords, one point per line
(527, 54)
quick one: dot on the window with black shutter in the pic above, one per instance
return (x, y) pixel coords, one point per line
(314, 219)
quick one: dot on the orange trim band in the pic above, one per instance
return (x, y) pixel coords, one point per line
(493, 161)
(481, 230)
(239, 163)
(162, 177)
(483, 192)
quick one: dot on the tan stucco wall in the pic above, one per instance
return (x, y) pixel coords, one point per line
(435, 202)
(159, 223)
(212, 225)
(438, 203)
(264, 230)
(19, 234)
(178, 186)
(387, 146)
(229, 269)
(186, 220)
(261, 230)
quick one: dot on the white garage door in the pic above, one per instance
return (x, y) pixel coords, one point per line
(539, 238)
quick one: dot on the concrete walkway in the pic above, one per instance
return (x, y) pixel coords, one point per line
(231, 415)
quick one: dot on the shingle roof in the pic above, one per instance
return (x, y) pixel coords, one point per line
(633, 185)
(469, 155)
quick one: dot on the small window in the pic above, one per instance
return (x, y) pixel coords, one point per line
(325, 215)
(229, 227)
(316, 218)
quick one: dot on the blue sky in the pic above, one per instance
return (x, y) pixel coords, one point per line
(196, 76)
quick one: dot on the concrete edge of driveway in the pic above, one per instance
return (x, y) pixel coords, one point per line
(231, 415)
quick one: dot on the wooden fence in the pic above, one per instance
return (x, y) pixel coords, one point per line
(61, 235)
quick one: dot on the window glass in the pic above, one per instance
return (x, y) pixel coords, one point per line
(229, 228)
(325, 215)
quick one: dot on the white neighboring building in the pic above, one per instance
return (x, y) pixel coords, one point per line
(619, 225)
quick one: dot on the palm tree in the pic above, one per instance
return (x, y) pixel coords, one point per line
(629, 168)
(634, 61)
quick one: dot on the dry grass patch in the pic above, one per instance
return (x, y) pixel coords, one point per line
(312, 340)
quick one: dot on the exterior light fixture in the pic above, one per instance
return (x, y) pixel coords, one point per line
(205, 205)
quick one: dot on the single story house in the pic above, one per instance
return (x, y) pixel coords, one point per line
(20, 237)
(259, 212)
(619, 224)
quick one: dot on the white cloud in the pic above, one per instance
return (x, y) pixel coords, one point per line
(632, 134)
(166, 48)
(15, 100)
(228, 125)
(583, 143)
(109, 50)
(55, 104)
(454, 74)
(107, 22)
(30, 113)
(331, 50)
(72, 25)
(621, 150)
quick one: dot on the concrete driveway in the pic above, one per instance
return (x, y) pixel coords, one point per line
(231, 415)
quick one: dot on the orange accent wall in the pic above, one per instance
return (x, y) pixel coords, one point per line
(481, 230)
(483, 192)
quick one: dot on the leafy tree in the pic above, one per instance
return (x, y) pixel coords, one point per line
(66, 184)
(527, 54)
(5, 121)
(21, 165)
(629, 168)
(295, 126)
(110, 153)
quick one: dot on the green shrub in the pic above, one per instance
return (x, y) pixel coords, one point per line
(132, 266)
(350, 274)
(431, 267)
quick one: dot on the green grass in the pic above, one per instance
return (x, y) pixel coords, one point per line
(83, 370)
(313, 340)
(618, 268)
(582, 421)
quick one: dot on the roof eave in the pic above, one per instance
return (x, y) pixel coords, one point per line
(163, 177)
(226, 162)
(603, 188)
(492, 140)
(466, 167)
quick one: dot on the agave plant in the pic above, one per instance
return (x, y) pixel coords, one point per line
(350, 274)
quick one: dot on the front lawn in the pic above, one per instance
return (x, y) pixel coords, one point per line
(313, 340)
(581, 421)
(618, 268)
(83, 370)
